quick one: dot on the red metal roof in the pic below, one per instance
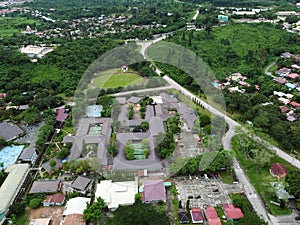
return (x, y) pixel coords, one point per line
(232, 212)
(279, 170)
(295, 104)
(197, 215)
(61, 116)
(56, 198)
(211, 213)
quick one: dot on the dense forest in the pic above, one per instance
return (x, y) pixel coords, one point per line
(242, 3)
(247, 49)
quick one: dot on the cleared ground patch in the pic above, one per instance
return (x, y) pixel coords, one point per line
(53, 212)
(9, 26)
(115, 78)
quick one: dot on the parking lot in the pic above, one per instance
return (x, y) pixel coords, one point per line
(201, 192)
(31, 133)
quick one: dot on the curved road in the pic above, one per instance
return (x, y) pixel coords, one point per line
(249, 189)
(267, 72)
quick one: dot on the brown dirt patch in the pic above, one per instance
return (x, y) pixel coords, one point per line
(55, 212)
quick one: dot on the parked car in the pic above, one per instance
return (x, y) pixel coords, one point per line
(197, 196)
(190, 196)
(215, 190)
(297, 218)
(210, 195)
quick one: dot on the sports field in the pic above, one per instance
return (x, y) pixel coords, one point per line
(117, 79)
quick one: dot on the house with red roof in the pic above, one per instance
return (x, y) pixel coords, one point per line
(212, 216)
(280, 80)
(154, 191)
(197, 215)
(293, 75)
(61, 116)
(295, 104)
(278, 170)
(56, 199)
(232, 212)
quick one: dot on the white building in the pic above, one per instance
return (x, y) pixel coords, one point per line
(35, 51)
(76, 205)
(115, 194)
(11, 187)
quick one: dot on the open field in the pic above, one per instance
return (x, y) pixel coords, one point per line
(117, 79)
(9, 25)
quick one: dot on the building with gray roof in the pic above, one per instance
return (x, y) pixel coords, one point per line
(10, 131)
(45, 186)
(81, 184)
(134, 100)
(92, 131)
(28, 155)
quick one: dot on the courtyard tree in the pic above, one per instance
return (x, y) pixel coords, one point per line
(94, 211)
(145, 126)
(145, 147)
(129, 150)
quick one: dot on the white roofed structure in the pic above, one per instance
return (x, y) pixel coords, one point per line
(115, 194)
(76, 205)
(11, 187)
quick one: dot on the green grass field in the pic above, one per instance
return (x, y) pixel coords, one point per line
(117, 79)
(9, 25)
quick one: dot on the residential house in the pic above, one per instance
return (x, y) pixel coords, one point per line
(223, 19)
(284, 109)
(286, 55)
(76, 206)
(212, 216)
(49, 169)
(278, 170)
(290, 85)
(292, 76)
(54, 200)
(232, 212)
(46, 186)
(82, 184)
(61, 116)
(154, 191)
(284, 100)
(283, 72)
(295, 105)
(117, 194)
(197, 215)
(280, 80)
(10, 131)
(134, 100)
(183, 216)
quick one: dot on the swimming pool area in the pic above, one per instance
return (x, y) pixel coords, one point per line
(10, 154)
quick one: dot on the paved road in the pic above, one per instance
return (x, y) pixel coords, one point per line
(250, 191)
(267, 72)
(196, 15)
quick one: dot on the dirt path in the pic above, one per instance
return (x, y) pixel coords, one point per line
(54, 212)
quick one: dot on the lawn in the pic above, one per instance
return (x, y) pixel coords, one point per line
(9, 25)
(262, 181)
(117, 79)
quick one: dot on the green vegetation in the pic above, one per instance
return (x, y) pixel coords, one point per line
(129, 151)
(94, 211)
(255, 158)
(13, 25)
(118, 80)
(139, 213)
(35, 203)
(250, 217)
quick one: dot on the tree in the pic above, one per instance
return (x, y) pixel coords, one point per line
(139, 213)
(145, 126)
(292, 180)
(52, 163)
(94, 212)
(129, 151)
(17, 209)
(35, 203)
(112, 149)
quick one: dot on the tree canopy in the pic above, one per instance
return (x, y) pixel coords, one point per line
(94, 211)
